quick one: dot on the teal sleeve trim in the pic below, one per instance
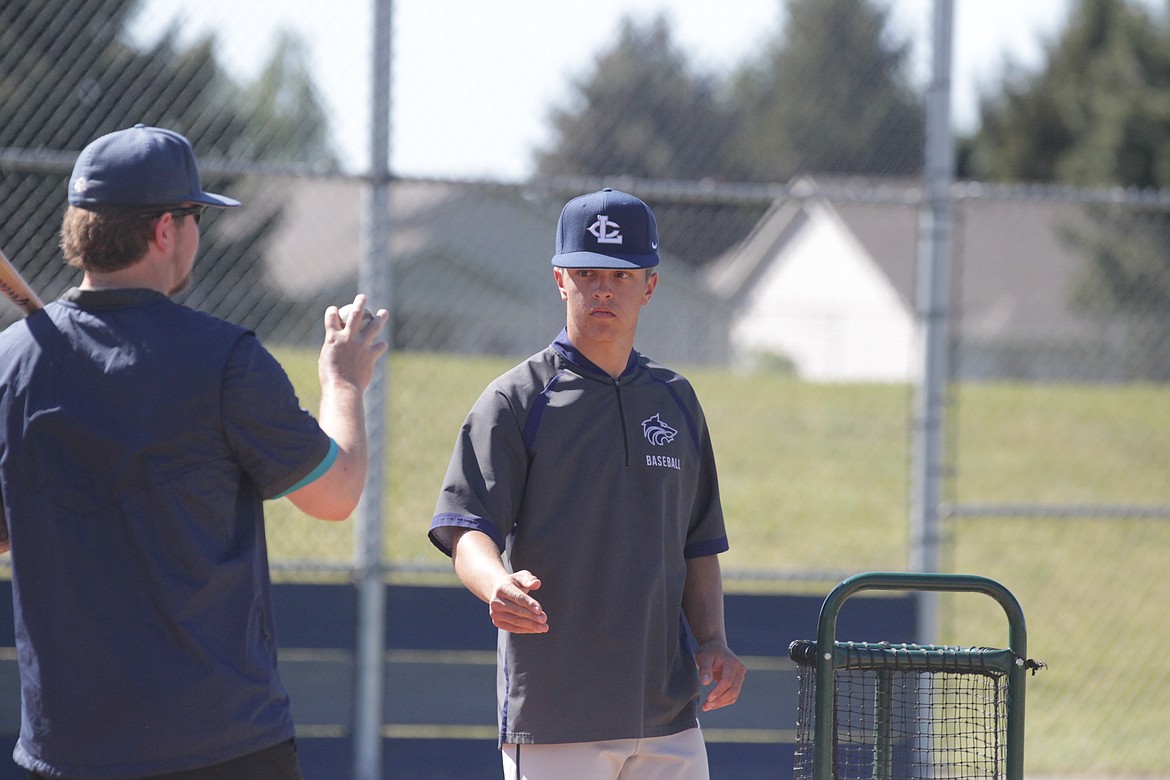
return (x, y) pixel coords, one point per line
(312, 476)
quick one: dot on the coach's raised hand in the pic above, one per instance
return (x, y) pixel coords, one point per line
(345, 369)
(351, 349)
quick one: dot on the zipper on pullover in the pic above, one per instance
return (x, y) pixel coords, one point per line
(617, 386)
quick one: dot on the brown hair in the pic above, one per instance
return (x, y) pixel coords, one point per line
(105, 240)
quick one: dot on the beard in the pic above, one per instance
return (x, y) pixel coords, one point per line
(180, 261)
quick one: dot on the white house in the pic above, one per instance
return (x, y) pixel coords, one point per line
(830, 286)
(804, 288)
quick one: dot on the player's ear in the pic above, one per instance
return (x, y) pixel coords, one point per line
(164, 231)
(560, 275)
(651, 283)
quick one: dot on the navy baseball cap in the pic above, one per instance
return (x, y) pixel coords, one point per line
(139, 166)
(606, 229)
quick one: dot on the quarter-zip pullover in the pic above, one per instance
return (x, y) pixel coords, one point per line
(602, 488)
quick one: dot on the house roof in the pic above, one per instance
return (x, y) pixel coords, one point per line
(733, 274)
(470, 261)
(1013, 270)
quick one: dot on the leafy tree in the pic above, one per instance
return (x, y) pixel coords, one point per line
(640, 112)
(830, 95)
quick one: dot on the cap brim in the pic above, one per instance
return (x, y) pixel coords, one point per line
(211, 199)
(598, 260)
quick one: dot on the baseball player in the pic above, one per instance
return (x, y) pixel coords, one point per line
(581, 504)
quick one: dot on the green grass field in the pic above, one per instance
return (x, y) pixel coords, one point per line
(816, 477)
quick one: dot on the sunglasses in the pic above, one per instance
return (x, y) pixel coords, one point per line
(194, 211)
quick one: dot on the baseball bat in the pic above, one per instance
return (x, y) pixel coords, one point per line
(16, 289)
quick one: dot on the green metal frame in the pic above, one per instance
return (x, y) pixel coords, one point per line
(825, 716)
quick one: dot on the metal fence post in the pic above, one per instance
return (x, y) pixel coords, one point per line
(934, 248)
(375, 279)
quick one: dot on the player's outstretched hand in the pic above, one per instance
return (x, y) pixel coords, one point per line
(512, 609)
(717, 664)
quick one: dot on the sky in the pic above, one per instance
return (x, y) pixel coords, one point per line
(474, 81)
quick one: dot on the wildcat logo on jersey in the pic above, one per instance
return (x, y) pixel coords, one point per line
(657, 432)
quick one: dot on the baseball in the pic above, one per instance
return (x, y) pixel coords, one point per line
(367, 316)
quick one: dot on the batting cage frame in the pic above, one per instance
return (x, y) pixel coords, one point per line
(910, 711)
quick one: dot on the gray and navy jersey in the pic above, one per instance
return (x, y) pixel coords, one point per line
(603, 489)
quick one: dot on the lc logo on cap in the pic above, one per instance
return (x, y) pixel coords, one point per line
(606, 229)
(607, 232)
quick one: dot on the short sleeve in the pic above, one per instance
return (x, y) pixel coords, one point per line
(486, 476)
(706, 534)
(277, 442)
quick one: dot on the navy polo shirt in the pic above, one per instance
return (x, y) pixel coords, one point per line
(138, 439)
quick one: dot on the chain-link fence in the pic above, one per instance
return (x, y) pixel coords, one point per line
(790, 297)
(1057, 434)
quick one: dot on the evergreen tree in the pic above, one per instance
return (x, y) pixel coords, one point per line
(830, 95)
(1098, 114)
(640, 112)
(68, 74)
(287, 117)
